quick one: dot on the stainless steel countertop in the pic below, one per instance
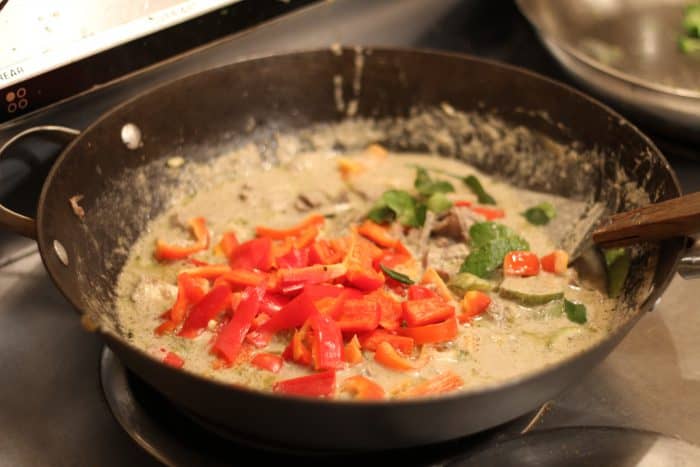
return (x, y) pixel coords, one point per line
(51, 406)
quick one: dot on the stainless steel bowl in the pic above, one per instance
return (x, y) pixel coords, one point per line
(626, 51)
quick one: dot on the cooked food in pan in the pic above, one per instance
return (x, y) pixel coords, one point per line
(358, 276)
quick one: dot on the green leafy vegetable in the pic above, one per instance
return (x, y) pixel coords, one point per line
(490, 242)
(475, 185)
(438, 203)
(617, 263)
(426, 186)
(576, 312)
(399, 205)
(397, 276)
(540, 214)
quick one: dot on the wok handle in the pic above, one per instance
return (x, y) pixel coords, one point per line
(689, 266)
(14, 221)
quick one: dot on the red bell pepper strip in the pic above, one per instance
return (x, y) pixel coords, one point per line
(440, 384)
(431, 276)
(213, 303)
(326, 342)
(253, 254)
(377, 234)
(189, 291)
(322, 252)
(358, 315)
(166, 251)
(300, 350)
(417, 292)
(353, 352)
(272, 303)
(359, 262)
(243, 277)
(316, 385)
(473, 304)
(306, 237)
(489, 213)
(210, 271)
(279, 234)
(463, 203)
(311, 274)
(389, 357)
(521, 263)
(390, 310)
(228, 244)
(426, 311)
(295, 258)
(292, 315)
(362, 388)
(230, 339)
(173, 359)
(556, 262)
(371, 340)
(432, 333)
(267, 361)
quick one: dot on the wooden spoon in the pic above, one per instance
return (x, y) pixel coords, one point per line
(673, 218)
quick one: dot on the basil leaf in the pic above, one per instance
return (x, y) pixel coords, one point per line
(438, 203)
(617, 263)
(475, 185)
(426, 186)
(576, 312)
(490, 243)
(397, 276)
(540, 214)
(399, 205)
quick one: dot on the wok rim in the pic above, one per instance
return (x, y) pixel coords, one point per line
(619, 333)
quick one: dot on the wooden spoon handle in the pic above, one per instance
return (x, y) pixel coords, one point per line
(672, 218)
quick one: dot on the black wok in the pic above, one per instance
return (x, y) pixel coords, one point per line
(586, 147)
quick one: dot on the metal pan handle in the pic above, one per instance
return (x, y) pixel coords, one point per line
(689, 266)
(14, 221)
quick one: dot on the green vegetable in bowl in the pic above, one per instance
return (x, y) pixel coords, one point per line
(617, 263)
(398, 205)
(540, 214)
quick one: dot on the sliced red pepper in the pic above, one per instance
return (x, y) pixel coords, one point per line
(360, 270)
(322, 252)
(166, 251)
(390, 310)
(316, 385)
(417, 292)
(432, 333)
(389, 357)
(228, 244)
(358, 315)
(377, 234)
(243, 277)
(300, 350)
(362, 388)
(463, 203)
(371, 340)
(173, 359)
(521, 263)
(426, 311)
(267, 361)
(353, 352)
(489, 213)
(441, 384)
(312, 274)
(213, 303)
(278, 234)
(210, 271)
(295, 258)
(556, 262)
(272, 303)
(326, 343)
(229, 341)
(253, 254)
(292, 315)
(306, 237)
(189, 291)
(473, 304)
